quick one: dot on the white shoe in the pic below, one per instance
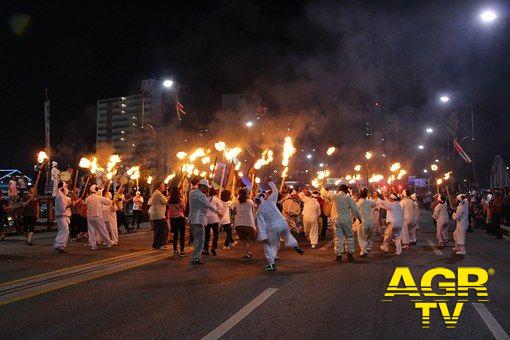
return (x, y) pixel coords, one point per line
(314, 246)
(93, 248)
(460, 252)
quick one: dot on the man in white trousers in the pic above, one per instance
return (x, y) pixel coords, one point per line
(272, 227)
(96, 225)
(311, 213)
(394, 221)
(110, 219)
(461, 217)
(440, 214)
(410, 220)
(63, 217)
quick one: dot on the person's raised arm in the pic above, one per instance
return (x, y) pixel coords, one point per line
(274, 193)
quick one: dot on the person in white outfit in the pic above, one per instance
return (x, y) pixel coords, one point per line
(63, 218)
(440, 214)
(410, 220)
(346, 208)
(55, 177)
(365, 206)
(110, 219)
(311, 213)
(272, 227)
(96, 226)
(461, 217)
(394, 221)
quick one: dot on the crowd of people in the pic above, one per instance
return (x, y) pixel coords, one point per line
(97, 213)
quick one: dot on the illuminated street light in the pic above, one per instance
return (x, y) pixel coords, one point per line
(321, 165)
(249, 124)
(429, 130)
(425, 171)
(444, 99)
(488, 16)
(168, 83)
(309, 156)
(421, 147)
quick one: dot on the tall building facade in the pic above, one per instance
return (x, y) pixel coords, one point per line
(133, 125)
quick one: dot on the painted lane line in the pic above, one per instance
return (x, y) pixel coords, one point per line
(237, 317)
(491, 322)
(327, 245)
(70, 269)
(86, 275)
(434, 248)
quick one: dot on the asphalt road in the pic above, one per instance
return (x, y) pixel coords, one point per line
(136, 294)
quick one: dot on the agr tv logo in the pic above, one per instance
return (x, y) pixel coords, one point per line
(449, 288)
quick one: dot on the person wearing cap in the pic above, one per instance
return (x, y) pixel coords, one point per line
(158, 217)
(55, 177)
(291, 209)
(346, 208)
(365, 207)
(273, 227)
(96, 225)
(311, 213)
(198, 205)
(461, 217)
(442, 220)
(137, 210)
(110, 219)
(394, 221)
(63, 217)
(410, 220)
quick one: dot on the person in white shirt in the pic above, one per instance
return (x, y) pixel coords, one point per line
(212, 222)
(273, 227)
(245, 221)
(96, 226)
(110, 219)
(137, 210)
(410, 220)
(461, 217)
(440, 214)
(225, 222)
(55, 177)
(311, 213)
(345, 209)
(63, 218)
(365, 207)
(394, 221)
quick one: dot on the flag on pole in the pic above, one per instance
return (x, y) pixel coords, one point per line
(461, 151)
(180, 109)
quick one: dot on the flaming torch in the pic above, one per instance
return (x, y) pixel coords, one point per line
(134, 174)
(288, 151)
(331, 150)
(42, 159)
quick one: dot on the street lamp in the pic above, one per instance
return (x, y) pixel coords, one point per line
(421, 147)
(488, 16)
(444, 99)
(425, 171)
(429, 130)
(249, 124)
(168, 83)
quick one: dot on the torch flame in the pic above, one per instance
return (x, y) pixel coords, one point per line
(169, 178)
(390, 179)
(112, 162)
(230, 154)
(181, 155)
(446, 176)
(85, 163)
(267, 157)
(220, 146)
(401, 174)
(434, 167)
(41, 156)
(395, 167)
(315, 183)
(357, 168)
(257, 180)
(288, 151)
(196, 154)
(331, 150)
(368, 155)
(439, 181)
(206, 160)
(376, 178)
(149, 180)
(134, 172)
(284, 172)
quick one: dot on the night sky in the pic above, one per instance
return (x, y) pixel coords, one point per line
(295, 56)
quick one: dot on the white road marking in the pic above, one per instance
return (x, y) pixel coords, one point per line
(237, 317)
(327, 245)
(491, 322)
(434, 248)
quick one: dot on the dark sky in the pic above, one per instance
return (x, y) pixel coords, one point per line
(296, 56)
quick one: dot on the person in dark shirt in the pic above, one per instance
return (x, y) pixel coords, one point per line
(30, 215)
(4, 205)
